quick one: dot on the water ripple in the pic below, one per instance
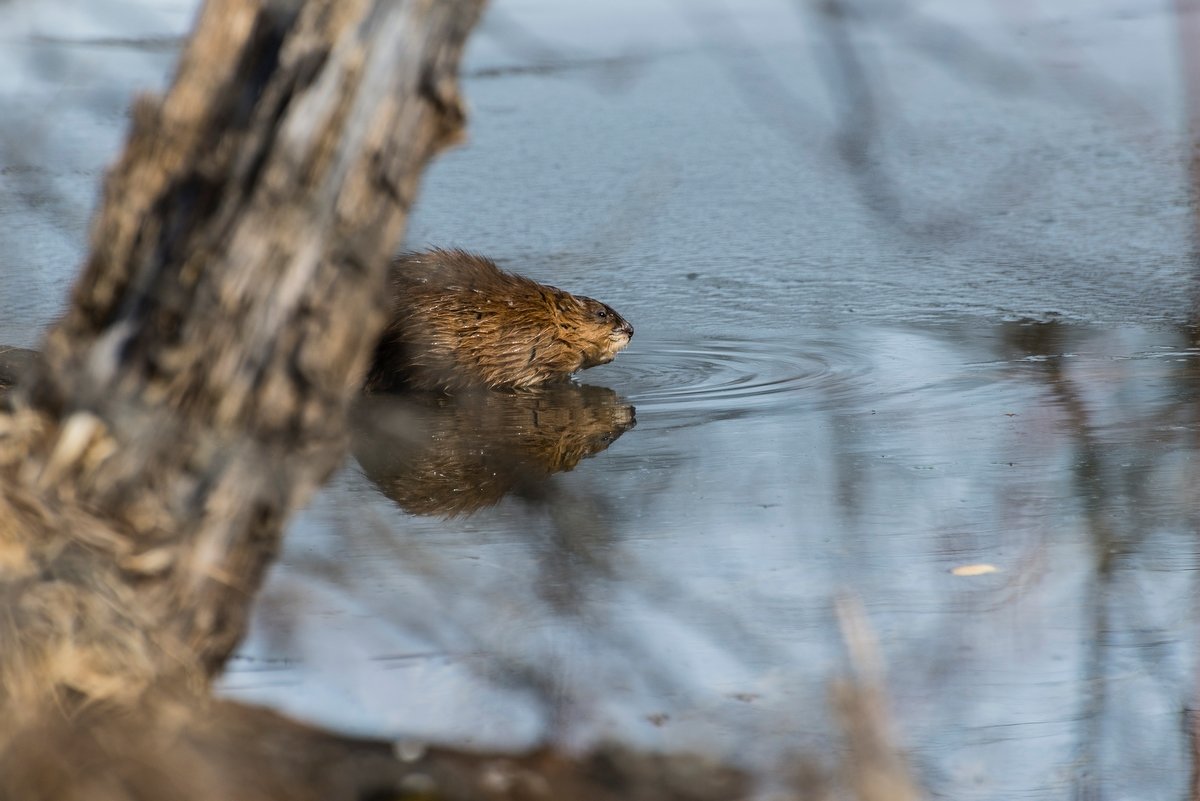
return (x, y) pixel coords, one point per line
(730, 375)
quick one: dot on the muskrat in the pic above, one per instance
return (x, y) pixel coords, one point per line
(458, 321)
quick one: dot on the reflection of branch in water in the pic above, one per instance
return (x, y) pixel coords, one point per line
(768, 96)
(854, 92)
(858, 95)
(611, 73)
(1116, 445)
(863, 119)
(165, 43)
(1090, 484)
(874, 766)
(866, 120)
(1187, 24)
(1095, 487)
(1189, 388)
(435, 454)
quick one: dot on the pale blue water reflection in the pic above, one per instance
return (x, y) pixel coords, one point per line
(837, 388)
(677, 589)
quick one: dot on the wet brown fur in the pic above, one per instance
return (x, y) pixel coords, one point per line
(458, 321)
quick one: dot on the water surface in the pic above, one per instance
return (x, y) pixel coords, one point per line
(871, 349)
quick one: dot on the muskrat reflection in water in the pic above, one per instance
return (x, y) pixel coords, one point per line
(437, 454)
(458, 321)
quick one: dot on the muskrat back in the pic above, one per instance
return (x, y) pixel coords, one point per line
(459, 321)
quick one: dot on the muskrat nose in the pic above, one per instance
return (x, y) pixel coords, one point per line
(625, 328)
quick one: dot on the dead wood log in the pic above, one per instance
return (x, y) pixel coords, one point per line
(195, 391)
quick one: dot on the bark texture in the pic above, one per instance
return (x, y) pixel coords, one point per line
(195, 391)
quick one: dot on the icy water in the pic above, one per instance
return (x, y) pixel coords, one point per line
(914, 307)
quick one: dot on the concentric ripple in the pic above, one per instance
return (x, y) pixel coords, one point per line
(730, 375)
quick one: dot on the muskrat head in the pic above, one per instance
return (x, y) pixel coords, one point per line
(604, 332)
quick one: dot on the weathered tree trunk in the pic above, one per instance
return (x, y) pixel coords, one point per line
(195, 392)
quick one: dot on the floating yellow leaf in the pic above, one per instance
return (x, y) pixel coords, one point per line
(973, 570)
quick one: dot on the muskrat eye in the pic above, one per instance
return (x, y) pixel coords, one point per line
(601, 314)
